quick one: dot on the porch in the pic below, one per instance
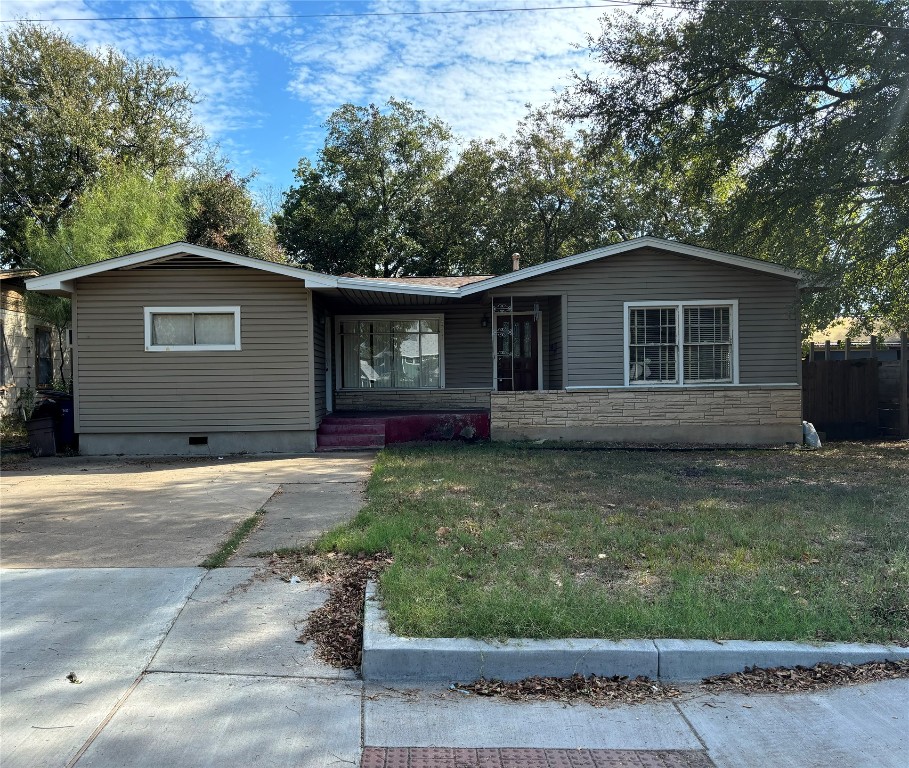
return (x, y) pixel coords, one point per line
(344, 430)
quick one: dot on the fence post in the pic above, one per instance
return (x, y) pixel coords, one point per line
(848, 348)
(826, 350)
(904, 386)
(874, 347)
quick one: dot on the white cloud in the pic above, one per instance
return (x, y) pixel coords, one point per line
(223, 79)
(475, 71)
(242, 31)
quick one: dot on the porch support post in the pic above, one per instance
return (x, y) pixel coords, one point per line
(564, 341)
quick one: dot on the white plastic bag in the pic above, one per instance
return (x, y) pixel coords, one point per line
(812, 439)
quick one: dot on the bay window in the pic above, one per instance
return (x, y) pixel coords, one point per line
(391, 352)
(681, 343)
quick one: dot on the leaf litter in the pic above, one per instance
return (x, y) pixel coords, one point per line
(804, 679)
(336, 629)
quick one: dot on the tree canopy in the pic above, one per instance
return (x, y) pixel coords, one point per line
(361, 207)
(123, 211)
(65, 112)
(221, 213)
(790, 122)
(390, 194)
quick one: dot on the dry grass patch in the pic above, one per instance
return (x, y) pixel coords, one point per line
(517, 541)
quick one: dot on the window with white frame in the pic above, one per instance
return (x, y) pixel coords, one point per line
(681, 343)
(391, 353)
(192, 329)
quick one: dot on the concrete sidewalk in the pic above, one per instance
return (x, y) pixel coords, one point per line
(180, 667)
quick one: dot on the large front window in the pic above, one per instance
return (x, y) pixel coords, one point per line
(683, 343)
(391, 353)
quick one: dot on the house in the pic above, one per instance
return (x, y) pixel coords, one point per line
(184, 349)
(31, 350)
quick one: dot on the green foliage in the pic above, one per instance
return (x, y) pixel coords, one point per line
(362, 206)
(222, 214)
(232, 543)
(124, 211)
(66, 113)
(385, 199)
(786, 121)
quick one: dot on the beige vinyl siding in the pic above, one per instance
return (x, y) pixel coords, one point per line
(768, 331)
(468, 345)
(261, 387)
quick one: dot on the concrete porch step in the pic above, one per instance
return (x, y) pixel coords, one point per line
(350, 427)
(348, 440)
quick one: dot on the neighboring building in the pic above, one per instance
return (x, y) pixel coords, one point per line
(185, 349)
(30, 350)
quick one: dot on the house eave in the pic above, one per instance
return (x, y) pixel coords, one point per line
(729, 259)
(61, 283)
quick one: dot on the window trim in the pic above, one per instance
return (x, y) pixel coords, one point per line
(679, 307)
(339, 357)
(187, 310)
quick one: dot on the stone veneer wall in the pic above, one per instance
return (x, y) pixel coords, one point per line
(411, 400)
(731, 415)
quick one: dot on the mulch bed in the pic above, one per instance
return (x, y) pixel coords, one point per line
(804, 679)
(594, 689)
(336, 628)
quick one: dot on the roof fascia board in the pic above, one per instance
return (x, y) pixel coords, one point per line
(629, 245)
(62, 281)
(361, 284)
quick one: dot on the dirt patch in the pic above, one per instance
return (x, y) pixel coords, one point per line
(804, 679)
(336, 628)
(594, 689)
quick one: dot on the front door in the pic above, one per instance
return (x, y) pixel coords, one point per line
(517, 356)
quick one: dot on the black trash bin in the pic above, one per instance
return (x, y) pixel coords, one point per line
(41, 436)
(59, 407)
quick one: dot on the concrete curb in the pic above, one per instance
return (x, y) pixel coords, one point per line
(387, 656)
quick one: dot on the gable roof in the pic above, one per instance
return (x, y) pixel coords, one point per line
(61, 283)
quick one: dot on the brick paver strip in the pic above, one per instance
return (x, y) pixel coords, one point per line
(445, 757)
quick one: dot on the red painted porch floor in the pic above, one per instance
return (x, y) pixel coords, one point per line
(443, 757)
(354, 430)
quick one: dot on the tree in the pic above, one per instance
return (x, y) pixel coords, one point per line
(65, 112)
(124, 211)
(362, 206)
(789, 119)
(222, 214)
(544, 194)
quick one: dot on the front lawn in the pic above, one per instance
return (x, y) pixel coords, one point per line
(499, 541)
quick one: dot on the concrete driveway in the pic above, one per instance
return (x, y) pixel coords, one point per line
(131, 513)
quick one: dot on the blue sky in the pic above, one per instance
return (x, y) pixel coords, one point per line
(267, 84)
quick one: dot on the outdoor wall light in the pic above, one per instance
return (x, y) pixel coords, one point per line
(485, 321)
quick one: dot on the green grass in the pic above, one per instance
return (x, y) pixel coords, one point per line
(515, 541)
(219, 557)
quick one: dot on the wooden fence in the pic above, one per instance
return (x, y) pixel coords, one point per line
(857, 397)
